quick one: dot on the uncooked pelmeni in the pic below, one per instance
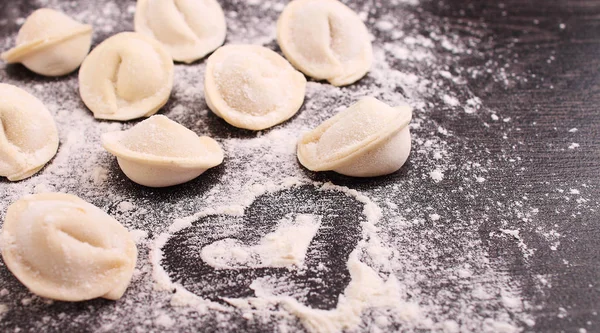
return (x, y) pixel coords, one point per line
(189, 29)
(325, 40)
(64, 248)
(159, 152)
(368, 139)
(128, 76)
(50, 43)
(28, 136)
(252, 87)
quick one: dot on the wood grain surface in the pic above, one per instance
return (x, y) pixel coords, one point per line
(565, 94)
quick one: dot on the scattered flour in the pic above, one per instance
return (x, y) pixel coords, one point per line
(3, 310)
(285, 247)
(451, 100)
(437, 175)
(125, 206)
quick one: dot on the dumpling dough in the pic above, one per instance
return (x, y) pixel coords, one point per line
(128, 76)
(366, 140)
(28, 136)
(252, 87)
(159, 152)
(325, 40)
(51, 43)
(189, 29)
(64, 248)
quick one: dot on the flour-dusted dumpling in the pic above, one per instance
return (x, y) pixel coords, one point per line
(252, 87)
(28, 136)
(159, 152)
(51, 43)
(189, 29)
(366, 140)
(325, 40)
(64, 248)
(128, 76)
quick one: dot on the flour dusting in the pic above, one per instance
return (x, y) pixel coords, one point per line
(285, 247)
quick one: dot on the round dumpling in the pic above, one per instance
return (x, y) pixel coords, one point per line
(128, 76)
(64, 248)
(51, 43)
(159, 152)
(368, 139)
(189, 29)
(325, 40)
(28, 135)
(252, 87)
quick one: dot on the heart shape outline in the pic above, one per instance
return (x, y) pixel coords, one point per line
(367, 287)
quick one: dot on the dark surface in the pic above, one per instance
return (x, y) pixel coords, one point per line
(563, 94)
(330, 247)
(568, 97)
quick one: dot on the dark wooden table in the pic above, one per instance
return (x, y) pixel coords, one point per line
(558, 42)
(535, 66)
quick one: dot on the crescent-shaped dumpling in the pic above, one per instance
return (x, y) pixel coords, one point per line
(51, 43)
(325, 40)
(366, 140)
(252, 87)
(64, 248)
(159, 152)
(128, 76)
(189, 29)
(28, 136)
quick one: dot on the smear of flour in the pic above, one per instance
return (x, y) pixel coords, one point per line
(285, 247)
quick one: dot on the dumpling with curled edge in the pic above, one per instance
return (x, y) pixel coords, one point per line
(128, 76)
(51, 43)
(159, 152)
(189, 29)
(325, 40)
(64, 248)
(28, 135)
(368, 139)
(252, 87)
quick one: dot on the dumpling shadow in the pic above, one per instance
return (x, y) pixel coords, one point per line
(27, 316)
(221, 129)
(337, 237)
(20, 73)
(120, 184)
(358, 183)
(274, 46)
(200, 119)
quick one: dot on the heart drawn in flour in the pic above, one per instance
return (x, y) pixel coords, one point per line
(263, 242)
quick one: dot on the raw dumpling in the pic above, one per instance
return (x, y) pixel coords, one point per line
(252, 87)
(28, 136)
(189, 29)
(159, 152)
(325, 40)
(366, 140)
(51, 43)
(128, 76)
(64, 248)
